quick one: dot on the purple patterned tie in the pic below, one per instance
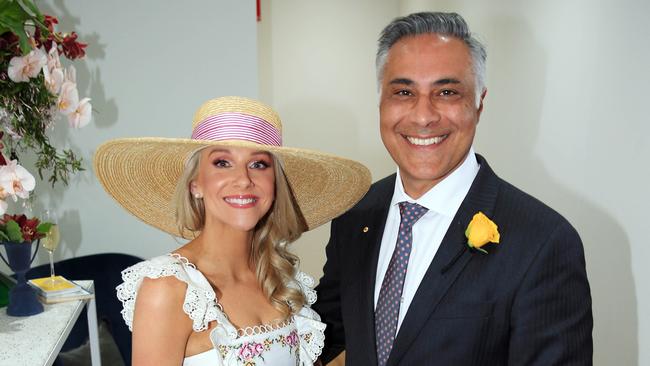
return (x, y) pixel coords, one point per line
(387, 310)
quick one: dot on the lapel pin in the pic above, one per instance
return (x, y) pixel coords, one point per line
(365, 229)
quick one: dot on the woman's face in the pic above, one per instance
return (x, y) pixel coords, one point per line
(237, 185)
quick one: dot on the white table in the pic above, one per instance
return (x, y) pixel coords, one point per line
(36, 340)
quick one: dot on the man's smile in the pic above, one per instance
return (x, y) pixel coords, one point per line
(425, 141)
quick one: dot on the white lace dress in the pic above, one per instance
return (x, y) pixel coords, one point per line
(296, 341)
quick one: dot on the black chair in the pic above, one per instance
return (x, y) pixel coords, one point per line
(104, 270)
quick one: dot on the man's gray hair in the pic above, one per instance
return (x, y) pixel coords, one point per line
(448, 24)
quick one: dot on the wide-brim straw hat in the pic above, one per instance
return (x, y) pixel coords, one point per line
(141, 173)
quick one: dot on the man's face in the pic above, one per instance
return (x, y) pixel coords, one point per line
(428, 111)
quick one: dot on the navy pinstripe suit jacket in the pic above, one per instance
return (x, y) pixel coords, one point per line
(527, 302)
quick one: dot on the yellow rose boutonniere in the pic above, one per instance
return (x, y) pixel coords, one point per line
(480, 231)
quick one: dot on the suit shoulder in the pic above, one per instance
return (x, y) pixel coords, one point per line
(525, 212)
(380, 193)
(377, 198)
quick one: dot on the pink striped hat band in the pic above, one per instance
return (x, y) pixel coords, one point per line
(237, 126)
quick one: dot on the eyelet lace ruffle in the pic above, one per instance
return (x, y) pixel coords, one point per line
(200, 302)
(312, 335)
(306, 284)
(310, 329)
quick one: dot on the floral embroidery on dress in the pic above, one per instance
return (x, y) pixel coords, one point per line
(250, 352)
(291, 339)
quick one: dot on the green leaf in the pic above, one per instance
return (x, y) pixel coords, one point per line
(4, 27)
(3, 236)
(14, 232)
(13, 17)
(11, 10)
(44, 227)
(35, 15)
(29, 6)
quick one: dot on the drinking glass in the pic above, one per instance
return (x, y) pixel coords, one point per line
(51, 239)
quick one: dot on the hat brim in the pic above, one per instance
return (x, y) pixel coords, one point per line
(141, 175)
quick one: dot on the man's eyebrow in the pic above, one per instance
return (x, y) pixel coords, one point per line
(404, 81)
(446, 81)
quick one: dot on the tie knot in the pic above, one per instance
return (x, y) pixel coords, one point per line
(411, 212)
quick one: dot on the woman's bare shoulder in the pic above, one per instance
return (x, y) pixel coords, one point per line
(160, 326)
(162, 294)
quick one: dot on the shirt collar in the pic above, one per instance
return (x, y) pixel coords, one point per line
(446, 196)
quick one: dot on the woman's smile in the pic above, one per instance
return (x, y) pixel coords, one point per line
(241, 201)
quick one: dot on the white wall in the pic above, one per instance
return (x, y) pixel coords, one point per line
(316, 69)
(564, 120)
(149, 66)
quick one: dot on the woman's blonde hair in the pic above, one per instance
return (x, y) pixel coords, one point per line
(275, 265)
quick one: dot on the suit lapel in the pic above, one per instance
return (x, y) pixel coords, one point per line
(435, 283)
(374, 219)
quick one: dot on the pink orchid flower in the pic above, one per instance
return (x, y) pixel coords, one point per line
(53, 58)
(68, 98)
(53, 79)
(23, 68)
(16, 181)
(53, 71)
(81, 115)
(3, 206)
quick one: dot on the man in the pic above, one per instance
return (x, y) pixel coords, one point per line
(401, 286)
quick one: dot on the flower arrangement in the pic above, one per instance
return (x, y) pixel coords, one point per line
(20, 229)
(34, 86)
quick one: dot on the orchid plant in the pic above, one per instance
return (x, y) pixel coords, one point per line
(20, 229)
(35, 87)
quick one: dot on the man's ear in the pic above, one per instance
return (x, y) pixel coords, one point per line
(480, 104)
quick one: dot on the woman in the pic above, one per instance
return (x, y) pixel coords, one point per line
(232, 295)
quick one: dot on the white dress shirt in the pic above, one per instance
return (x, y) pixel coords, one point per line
(443, 200)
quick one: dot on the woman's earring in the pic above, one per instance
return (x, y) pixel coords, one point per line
(197, 195)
